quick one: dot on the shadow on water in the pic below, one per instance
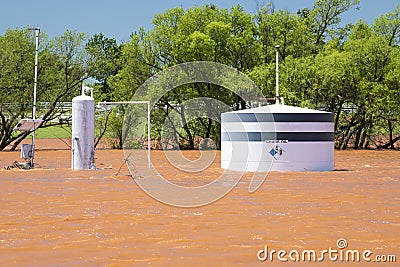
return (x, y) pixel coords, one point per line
(342, 170)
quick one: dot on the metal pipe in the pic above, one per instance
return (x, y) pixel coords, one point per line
(85, 88)
(37, 31)
(148, 135)
(277, 74)
(123, 102)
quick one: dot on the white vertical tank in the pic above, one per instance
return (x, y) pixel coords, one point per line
(277, 138)
(82, 133)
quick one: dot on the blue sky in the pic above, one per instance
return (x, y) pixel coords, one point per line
(119, 18)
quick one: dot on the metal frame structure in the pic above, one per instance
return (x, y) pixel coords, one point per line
(32, 124)
(37, 31)
(148, 121)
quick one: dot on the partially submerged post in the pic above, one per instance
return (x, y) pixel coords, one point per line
(30, 125)
(32, 154)
(82, 132)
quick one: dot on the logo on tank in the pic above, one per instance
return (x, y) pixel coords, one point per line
(277, 150)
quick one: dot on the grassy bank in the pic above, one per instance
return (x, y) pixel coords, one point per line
(54, 132)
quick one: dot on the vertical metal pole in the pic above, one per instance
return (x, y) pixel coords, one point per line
(148, 135)
(37, 31)
(277, 75)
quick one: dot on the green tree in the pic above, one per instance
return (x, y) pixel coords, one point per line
(354, 76)
(325, 14)
(62, 68)
(204, 33)
(104, 62)
(283, 28)
(388, 26)
(16, 82)
(64, 65)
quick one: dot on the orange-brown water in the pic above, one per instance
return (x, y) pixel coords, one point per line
(53, 216)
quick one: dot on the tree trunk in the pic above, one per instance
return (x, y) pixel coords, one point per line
(390, 144)
(363, 138)
(338, 115)
(103, 131)
(346, 143)
(358, 135)
(176, 134)
(208, 132)
(19, 140)
(357, 138)
(186, 128)
(344, 135)
(390, 125)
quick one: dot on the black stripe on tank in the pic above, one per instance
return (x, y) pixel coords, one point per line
(277, 117)
(290, 136)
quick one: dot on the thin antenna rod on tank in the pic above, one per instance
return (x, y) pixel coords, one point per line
(277, 75)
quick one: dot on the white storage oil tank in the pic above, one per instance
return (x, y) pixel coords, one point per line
(82, 133)
(277, 138)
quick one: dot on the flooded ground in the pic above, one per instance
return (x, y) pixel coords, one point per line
(52, 216)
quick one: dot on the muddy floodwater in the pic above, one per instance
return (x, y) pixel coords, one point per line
(52, 216)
